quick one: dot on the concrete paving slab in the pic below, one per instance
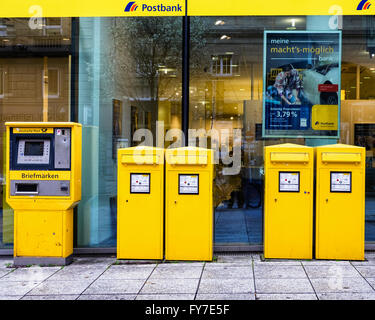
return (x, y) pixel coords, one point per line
(81, 273)
(223, 296)
(107, 297)
(84, 261)
(224, 272)
(51, 287)
(5, 297)
(165, 297)
(371, 281)
(340, 284)
(366, 271)
(370, 262)
(131, 272)
(227, 286)
(325, 262)
(34, 273)
(181, 263)
(286, 296)
(239, 259)
(335, 270)
(16, 288)
(171, 286)
(226, 264)
(5, 271)
(6, 262)
(264, 271)
(347, 296)
(275, 262)
(51, 297)
(183, 271)
(105, 286)
(283, 286)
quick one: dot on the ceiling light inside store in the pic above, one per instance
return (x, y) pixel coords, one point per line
(219, 22)
(231, 118)
(224, 37)
(229, 52)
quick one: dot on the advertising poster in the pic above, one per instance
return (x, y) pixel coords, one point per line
(302, 73)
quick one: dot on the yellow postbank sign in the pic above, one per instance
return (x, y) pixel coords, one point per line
(134, 8)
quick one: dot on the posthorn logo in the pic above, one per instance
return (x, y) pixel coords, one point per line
(131, 6)
(364, 5)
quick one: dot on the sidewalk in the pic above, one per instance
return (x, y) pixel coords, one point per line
(232, 277)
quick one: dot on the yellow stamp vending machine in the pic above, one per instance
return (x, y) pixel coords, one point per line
(340, 202)
(140, 201)
(188, 204)
(43, 174)
(288, 201)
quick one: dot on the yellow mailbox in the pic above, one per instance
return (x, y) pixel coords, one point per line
(340, 202)
(188, 204)
(43, 174)
(288, 201)
(140, 200)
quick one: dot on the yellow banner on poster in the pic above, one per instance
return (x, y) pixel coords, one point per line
(324, 117)
(138, 8)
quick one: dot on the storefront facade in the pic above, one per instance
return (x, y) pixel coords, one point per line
(116, 75)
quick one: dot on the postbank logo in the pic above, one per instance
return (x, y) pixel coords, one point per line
(155, 7)
(364, 5)
(131, 6)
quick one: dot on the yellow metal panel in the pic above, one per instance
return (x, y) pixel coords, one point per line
(288, 216)
(140, 215)
(340, 216)
(139, 158)
(189, 217)
(39, 233)
(289, 157)
(341, 157)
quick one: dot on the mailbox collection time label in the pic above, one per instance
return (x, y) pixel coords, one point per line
(139, 183)
(289, 182)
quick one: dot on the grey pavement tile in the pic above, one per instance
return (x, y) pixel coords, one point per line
(226, 264)
(181, 264)
(15, 288)
(165, 296)
(286, 296)
(279, 271)
(5, 297)
(283, 286)
(276, 262)
(347, 296)
(156, 286)
(51, 287)
(228, 272)
(106, 286)
(5, 262)
(87, 273)
(340, 284)
(51, 297)
(34, 273)
(107, 297)
(128, 272)
(323, 271)
(325, 262)
(5, 271)
(367, 271)
(371, 281)
(224, 296)
(240, 259)
(177, 272)
(369, 262)
(228, 286)
(85, 261)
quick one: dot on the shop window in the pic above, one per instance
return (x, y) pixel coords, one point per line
(2, 83)
(221, 65)
(52, 27)
(53, 83)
